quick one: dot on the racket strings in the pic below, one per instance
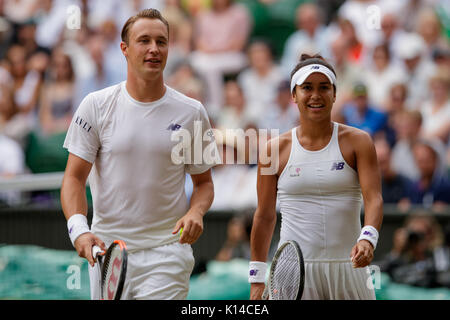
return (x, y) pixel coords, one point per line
(286, 276)
(112, 269)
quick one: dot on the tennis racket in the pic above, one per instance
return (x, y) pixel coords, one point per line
(113, 266)
(287, 273)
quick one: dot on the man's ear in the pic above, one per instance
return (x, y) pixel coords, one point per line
(124, 48)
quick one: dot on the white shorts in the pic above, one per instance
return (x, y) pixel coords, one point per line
(160, 273)
(337, 280)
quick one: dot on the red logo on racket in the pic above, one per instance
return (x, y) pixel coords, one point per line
(114, 278)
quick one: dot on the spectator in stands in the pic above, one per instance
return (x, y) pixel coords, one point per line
(57, 96)
(231, 185)
(411, 258)
(19, 11)
(441, 57)
(27, 74)
(310, 37)
(12, 163)
(436, 110)
(395, 187)
(51, 17)
(442, 260)
(360, 113)
(236, 112)
(237, 243)
(391, 32)
(283, 113)
(429, 28)
(394, 104)
(180, 35)
(13, 124)
(417, 68)
(100, 76)
(356, 13)
(26, 37)
(356, 48)
(260, 81)
(221, 34)
(185, 80)
(75, 44)
(381, 76)
(113, 58)
(408, 125)
(347, 74)
(432, 189)
(395, 101)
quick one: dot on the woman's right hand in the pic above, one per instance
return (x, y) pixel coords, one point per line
(256, 291)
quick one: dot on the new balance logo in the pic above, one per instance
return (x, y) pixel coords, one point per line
(174, 127)
(337, 166)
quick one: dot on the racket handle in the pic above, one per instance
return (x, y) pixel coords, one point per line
(96, 251)
(265, 295)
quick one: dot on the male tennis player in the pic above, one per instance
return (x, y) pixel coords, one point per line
(123, 133)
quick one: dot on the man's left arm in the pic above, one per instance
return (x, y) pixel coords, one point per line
(201, 200)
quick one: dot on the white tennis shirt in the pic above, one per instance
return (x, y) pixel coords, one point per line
(320, 201)
(137, 189)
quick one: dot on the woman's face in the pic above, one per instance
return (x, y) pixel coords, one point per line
(315, 97)
(62, 67)
(381, 59)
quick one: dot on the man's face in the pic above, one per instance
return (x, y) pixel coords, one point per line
(425, 160)
(147, 48)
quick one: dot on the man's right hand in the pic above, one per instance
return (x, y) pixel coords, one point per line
(84, 244)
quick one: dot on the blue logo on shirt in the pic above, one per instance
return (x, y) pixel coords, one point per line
(337, 166)
(315, 67)
(174, 127)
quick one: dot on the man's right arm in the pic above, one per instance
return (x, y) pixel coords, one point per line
(73, 201)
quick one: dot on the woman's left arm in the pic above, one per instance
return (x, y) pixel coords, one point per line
(370, 181)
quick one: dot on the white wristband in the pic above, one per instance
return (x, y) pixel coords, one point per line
(257, 272)
(77, 225)
(370, 234)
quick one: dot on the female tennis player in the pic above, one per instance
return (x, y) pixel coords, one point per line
(325, 170)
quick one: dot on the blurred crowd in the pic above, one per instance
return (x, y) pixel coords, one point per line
(392, 70)
(392, 60)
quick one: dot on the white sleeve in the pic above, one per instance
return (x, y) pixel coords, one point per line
(82, 138)
(203, 141)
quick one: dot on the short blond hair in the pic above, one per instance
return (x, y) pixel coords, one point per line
(147, 14)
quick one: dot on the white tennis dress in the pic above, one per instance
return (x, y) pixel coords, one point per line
(320, 203)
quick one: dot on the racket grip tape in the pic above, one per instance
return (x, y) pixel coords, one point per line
(96, 251)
